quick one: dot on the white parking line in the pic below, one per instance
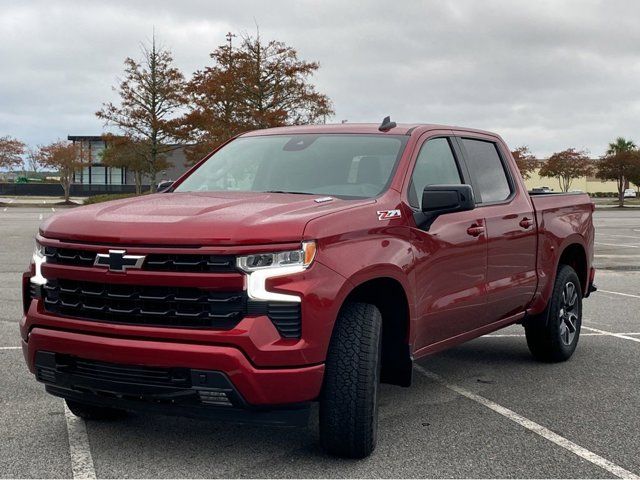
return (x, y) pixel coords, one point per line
(534, 427)
(79, 450)
(40, 217)
(617, 245)
(619, 293)
(10, 348)
(620, 236)
(5, 209)
(53, 209)
(581, 334)
(612, 334)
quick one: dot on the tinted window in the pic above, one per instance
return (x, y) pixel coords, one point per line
(486, 167)
(435, 165)
(344, 166)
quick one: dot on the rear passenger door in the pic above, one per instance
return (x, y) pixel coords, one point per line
(451, 254)
(510, 226)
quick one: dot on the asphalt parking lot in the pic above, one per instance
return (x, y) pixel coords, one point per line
(483, 409)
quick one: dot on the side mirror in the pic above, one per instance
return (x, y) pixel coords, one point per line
(164, 186)
(442, 199)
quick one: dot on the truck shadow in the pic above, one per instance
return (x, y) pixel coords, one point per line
(155, 446)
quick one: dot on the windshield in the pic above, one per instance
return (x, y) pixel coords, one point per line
(347, 166)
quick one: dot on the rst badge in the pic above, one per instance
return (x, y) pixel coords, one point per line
(388, 214)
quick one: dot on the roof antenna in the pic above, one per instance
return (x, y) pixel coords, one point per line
(386, 124)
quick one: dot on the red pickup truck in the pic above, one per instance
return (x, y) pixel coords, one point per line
(303, 264)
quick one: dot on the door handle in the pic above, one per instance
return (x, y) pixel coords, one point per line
(526, 223)
(475, 230)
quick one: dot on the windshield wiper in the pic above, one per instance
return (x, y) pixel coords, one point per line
(284, 191)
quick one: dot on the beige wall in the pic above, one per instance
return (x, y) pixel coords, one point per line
(589, 185)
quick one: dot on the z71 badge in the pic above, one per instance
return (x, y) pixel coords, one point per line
(388, 214)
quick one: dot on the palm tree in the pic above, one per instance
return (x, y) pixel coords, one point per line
(621, 145)
(619, 148)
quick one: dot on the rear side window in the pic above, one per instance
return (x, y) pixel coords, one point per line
(486, 167)
(435, 165)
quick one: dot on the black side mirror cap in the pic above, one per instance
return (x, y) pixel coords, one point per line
(164, 186)
(442, 199)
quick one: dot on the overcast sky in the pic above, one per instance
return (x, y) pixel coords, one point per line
(548, 74)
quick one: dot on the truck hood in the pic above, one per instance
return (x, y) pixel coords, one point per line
(194, 219)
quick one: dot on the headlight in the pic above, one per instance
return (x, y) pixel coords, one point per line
(262, 266)
(38, 259)
(293, 258)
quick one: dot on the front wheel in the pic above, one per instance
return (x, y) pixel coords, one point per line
(553, 335)
(349, 399)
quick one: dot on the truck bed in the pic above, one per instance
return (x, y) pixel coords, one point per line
(563, 219)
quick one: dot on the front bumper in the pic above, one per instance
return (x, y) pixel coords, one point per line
(257, 387)
(172, 391)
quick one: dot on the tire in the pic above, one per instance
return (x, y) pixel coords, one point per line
(94, 412)
(349, 398)
(553, 335)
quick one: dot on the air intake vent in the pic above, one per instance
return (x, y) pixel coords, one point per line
(286, 318)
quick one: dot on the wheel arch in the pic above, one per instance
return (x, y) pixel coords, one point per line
(389, 295)
(575, 255)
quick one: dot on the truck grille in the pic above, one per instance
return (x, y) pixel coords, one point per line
(145, 305)
(153, 261)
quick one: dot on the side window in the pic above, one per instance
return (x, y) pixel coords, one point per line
(486, 167)
(435, 165)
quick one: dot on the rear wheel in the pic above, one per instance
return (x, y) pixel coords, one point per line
(553, 335)
(349, 399)
(94, 412)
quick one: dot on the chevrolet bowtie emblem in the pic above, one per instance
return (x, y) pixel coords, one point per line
(117, 261)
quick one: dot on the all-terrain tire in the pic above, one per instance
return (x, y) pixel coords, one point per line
(349, 399)
(553, 335)
(94, 412)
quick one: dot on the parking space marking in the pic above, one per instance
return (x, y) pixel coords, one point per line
(40, 217)
(612, 334)
(534, 427)
(617, 245)
(53, 209)
(619, 293)
(81, 459)
(500, 335)
(10, 348)
(598, 234)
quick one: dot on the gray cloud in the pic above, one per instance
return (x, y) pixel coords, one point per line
(550, 74)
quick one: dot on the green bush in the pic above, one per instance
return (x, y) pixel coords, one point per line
(107, 197)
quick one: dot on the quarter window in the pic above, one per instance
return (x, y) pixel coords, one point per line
(435, 165)
(483, 161)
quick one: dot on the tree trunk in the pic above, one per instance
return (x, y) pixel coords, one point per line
(621, 192)
(66, 186)
(137, 175)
